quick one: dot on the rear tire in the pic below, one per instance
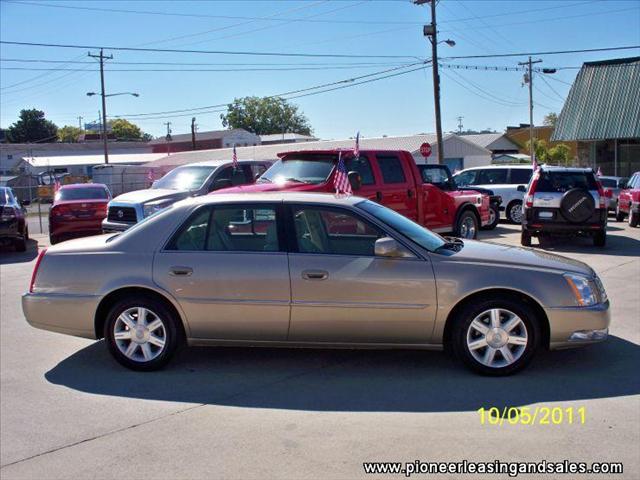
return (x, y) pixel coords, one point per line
(467, 225)
(496, 337)
(525, 238)
(494, 218)
(634, 219)
(514, 212)
(53, 240)
(142, 345)
(619, 214)
(600, 238)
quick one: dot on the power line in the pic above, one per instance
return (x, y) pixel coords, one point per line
(187, 70)
(209, 52)
(34, 60)
(551, 52)
(551, 88)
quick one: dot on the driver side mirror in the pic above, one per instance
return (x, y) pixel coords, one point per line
(220, 184)
(355, 180)
(388, 247)
(521, 188)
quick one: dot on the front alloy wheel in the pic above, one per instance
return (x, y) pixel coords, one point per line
(467, 225)
(496, 336)
(514, 212)
(141, 333)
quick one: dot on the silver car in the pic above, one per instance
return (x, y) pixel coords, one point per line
(613, 185)
(311, 270)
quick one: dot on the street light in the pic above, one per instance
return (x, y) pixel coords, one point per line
(104, 113)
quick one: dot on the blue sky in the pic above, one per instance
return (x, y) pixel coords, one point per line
(393, 106)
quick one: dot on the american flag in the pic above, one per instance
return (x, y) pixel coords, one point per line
(535, 164)
(56, 184)
(150, 175)
(235, 158)
(599, 172)
(356, 151)
(341, 178)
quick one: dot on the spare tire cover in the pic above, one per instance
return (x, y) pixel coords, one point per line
(577, 205)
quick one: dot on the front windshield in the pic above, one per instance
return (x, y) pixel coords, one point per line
(420, 235)
(312, 169)
(184, 178)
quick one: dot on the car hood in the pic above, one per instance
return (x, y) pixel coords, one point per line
(274, 187)
(143, 196)
(489, 253)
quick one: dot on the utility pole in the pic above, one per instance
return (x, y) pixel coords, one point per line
(431, 32)
(102, 58)
(80, 123)
(528, 78)
(193, 133)
(460, 124)
(168, 137)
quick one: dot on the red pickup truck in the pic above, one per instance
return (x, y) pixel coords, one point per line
(426, 195)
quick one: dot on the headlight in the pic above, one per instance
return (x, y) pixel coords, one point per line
(583, 288)
(153, 207)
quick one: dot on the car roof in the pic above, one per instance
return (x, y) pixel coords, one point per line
(287, 197)
(515, 165)
(71, 186)
(610, 177)
(557, 168)
(218, 163)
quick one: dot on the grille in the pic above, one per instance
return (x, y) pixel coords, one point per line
(128, 214)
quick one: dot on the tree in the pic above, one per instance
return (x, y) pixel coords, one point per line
(264, 116)
(69, 134)
(550, 119)
(125, 130)
(540, 149)
(32, 127)
(559, 155)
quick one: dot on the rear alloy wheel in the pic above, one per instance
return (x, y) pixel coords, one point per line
(141, 333)
(514, 212)
(494, 218)
(634, 219)
(600, 238)
(619, 214)
(467, 226)
(496, 337)
(525, 238)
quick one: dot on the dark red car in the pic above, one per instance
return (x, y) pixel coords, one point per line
(629, 201)
(77, 211)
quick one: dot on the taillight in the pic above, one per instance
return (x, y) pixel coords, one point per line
(61, 211)
(608, 193)
(7, 214)
(532, 189)
(35, 269)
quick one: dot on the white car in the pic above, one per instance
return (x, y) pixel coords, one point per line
(508, 181)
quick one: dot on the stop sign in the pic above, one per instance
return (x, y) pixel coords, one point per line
(425, 149)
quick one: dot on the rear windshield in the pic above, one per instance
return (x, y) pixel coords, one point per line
(563, 181)
(88, 193)
(300, 168)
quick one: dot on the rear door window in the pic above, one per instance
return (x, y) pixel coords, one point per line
(391, 169)
(466, 178)
(564, 181)
(521, 175)
(363, 167)
(493, 176)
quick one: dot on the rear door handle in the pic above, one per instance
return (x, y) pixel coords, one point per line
(181, 271)
(315, 275)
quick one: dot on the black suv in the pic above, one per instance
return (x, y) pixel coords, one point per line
(564, 201)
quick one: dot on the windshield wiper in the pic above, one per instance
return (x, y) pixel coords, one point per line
(291, 179)
(263, 180)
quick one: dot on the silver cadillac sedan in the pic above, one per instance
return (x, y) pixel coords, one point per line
(311, 270)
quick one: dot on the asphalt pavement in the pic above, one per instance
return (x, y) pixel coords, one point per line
(69, 411)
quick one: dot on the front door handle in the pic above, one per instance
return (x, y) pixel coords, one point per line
(315, 275)
(181, 271)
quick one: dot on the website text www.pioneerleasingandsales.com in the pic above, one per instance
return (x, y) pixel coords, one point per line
(495, 467)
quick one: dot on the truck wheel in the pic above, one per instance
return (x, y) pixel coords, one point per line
(600, 238)
(619, 214)
(498, 336)
(634, 219)
(514, 212)
(467, 226)
(494, 218)
(525, 238)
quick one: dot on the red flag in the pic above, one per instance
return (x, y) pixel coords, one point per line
(234, 158)
(356, 150)
(341, 178)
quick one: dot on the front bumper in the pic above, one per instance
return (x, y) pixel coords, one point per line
(61, 313)
(575, 326)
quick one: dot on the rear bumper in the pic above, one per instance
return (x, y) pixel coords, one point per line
(75, 228)
(575, 326)
(61, 313)
(10, 231)
(564, 228)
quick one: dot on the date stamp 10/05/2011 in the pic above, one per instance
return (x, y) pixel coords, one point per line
(539, 415)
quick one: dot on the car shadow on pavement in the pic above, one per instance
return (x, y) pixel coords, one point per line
(618, 245)
(355, 380)
(9, 255)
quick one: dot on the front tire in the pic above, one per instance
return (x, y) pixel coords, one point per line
(619, 214)
(634, 219)
(141, 333)
(494, 218)
(467, 225)
(514, 212)
(496, 337)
